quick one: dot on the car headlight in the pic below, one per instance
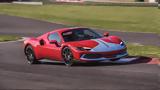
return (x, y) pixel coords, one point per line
(122, 43)
(83, 48)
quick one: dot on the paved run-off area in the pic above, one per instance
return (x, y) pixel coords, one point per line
(15, 73)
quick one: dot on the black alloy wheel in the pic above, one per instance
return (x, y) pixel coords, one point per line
(67, 56)
(30, 55)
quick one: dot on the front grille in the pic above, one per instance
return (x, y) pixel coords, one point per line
(105, 55)
(92, 56)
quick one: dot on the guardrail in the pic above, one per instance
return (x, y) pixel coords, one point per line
(30, 3)
(140, 4)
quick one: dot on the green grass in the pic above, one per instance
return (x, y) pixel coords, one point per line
(135, 19)
(4, 38)
(137, 50)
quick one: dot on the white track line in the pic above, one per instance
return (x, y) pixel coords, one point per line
(22, 39)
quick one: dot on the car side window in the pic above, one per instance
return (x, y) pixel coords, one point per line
(54, 36)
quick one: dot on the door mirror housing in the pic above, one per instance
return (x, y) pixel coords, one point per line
(106, 34)
(54, 42)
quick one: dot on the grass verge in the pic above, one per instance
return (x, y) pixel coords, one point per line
(4, 38)
(134, 19)
(139, 50)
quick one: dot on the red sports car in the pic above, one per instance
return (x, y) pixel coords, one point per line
(70, 45)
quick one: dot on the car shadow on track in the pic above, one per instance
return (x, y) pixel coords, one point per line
(137, 60)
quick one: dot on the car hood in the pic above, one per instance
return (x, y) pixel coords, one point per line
(84, 43)
(100, 45)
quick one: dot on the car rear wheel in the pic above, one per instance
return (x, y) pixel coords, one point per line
(67, 56)
(30, 55)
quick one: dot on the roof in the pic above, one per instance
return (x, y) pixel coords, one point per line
(66, 29)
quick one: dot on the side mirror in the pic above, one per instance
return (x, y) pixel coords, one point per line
(54, 42)
(106, 34)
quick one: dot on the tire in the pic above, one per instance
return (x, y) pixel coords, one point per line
(29, 52)
(67, 56)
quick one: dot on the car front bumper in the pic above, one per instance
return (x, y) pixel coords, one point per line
(103, 58)
(86, 56)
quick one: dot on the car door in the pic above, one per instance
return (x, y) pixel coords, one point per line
(53, 49)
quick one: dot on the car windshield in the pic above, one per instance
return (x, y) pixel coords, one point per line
(80, 34)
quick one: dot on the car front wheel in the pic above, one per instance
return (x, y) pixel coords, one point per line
(67, 56)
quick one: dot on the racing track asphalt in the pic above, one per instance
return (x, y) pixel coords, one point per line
(15, 73)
